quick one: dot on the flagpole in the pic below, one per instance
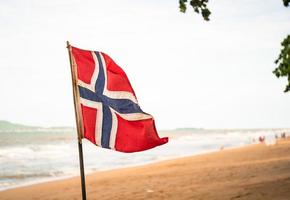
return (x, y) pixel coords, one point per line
(78, 120)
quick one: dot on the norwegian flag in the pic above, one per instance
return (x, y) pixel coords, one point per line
(111, 115)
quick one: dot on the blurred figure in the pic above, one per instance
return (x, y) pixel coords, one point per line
(262, 139)
(283, 135)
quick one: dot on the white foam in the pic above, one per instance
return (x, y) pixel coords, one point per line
(33, 163)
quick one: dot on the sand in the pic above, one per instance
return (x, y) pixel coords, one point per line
(252, 172)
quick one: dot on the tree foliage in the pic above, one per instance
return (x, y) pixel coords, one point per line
(199, 6)
(286, 2)
(283, 61)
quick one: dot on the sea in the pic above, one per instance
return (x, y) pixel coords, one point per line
(34, 155)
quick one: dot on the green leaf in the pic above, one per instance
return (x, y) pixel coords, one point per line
(182, 5)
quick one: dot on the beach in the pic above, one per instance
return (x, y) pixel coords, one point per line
(256, 171)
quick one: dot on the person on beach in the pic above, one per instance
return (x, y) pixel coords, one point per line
(262, 139)
(283, 135)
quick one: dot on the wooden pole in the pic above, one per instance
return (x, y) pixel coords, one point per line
(78, 117)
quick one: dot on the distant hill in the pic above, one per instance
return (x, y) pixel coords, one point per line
(5, 125)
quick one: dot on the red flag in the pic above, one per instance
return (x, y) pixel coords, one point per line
(111, 115)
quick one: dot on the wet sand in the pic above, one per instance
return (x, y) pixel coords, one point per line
(252, 172)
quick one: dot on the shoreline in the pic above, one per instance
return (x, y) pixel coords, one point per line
(52, 163)
(65, 177)
(244, 169)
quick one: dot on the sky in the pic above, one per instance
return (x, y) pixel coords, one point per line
(185, 72)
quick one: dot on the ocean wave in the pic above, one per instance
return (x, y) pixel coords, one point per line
(56, 155)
